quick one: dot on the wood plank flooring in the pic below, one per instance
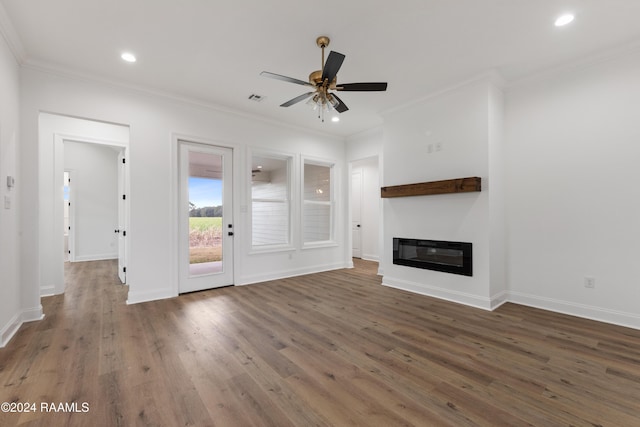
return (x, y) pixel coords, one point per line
(328, 349)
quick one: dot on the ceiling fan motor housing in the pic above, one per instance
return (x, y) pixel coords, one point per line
(315, 78)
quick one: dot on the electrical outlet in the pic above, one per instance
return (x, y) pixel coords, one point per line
(589, 282)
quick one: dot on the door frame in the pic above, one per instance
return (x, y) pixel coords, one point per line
(123, 203)
(353, 165)
(71, 239)
(237, 176)
(57, 209)
(353, 202)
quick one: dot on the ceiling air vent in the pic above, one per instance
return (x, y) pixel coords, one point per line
(256, 98)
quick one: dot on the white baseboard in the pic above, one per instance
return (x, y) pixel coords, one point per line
(499, 299)
(32, 314)
(436, 292)
(375, 258)
(630, 320)
(9, 330)
(138, 297)
(47, 291)
(283, 274)
(95, 257)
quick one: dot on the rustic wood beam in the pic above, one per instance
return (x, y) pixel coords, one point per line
(447, 186)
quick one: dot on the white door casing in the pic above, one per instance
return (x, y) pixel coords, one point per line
(122, 227)
(356, 213)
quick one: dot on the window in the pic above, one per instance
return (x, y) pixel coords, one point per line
(270, 201)
(317, 211)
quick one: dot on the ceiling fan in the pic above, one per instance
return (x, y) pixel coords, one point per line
(324, 81)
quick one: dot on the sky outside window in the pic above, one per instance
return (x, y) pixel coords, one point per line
(205, 191)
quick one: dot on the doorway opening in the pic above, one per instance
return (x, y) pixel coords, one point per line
(94, 203)
(365, 209)
(107, 140)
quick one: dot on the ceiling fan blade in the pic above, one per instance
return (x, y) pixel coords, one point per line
(332, 66)
(297, 99)
(285, 78)
(341, 107)
(362, 87)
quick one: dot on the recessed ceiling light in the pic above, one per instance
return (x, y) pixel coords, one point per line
(129, 57)
(335, 119)
(564, 19)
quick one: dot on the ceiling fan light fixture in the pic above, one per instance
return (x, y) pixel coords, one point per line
(323, 81)
(333, 101)
(313, 102)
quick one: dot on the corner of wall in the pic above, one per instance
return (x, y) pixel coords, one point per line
(11, 328)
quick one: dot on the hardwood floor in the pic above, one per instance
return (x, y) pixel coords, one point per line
(333, 348)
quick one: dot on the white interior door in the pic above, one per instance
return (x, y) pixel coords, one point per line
(205, 215)
(356, 213)
(122, 227)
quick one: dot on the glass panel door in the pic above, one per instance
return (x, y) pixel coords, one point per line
(206, 230)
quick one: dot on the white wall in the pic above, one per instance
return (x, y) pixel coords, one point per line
(448, 135)
(573, 204)
(498, 262)
(155, 124)
(12, 312)
(365, 145)
(95, 199)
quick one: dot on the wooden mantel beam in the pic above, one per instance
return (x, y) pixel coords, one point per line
(448, 186)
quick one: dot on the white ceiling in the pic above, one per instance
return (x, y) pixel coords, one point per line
(214, 51)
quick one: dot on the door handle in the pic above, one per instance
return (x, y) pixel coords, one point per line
(358, 225)
(230, 233)
(116, 231)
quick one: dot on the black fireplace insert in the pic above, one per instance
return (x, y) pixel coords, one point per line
(448, 257)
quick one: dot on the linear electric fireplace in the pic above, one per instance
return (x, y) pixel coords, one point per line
(449, 257)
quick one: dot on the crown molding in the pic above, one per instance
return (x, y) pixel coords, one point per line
(492, 77)
(578, 64)
(71, 74)
(374, 131)
(10, 35)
